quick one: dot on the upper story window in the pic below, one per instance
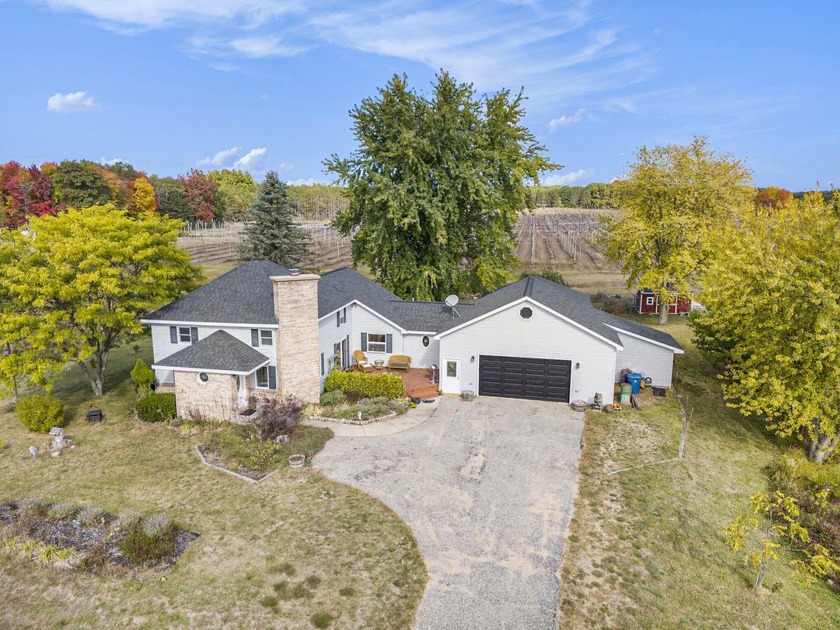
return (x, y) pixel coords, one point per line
(183, 334)
(262, 337)
(341, 316)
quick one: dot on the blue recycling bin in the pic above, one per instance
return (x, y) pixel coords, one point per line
(635, 380)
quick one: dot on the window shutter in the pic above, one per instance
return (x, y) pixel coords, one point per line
(389, 343)
(337, 319)
(173, 334)
(272, 377)
(322, 364)
(193, 334)
(255, 337)
(364, 342)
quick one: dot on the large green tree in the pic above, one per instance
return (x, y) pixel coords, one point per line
(75, 284)
(171, 197)
(672, 203)
(270, 230)
(436, 185)
(235, 192)
(773, 319)
(80, 184)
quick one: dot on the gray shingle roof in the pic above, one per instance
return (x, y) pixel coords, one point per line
(568, 302)
(243, 295)
(641, 330)
(426, 316)
(339, 287)
(219, 351)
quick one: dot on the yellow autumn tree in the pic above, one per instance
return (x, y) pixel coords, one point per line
(143, 196)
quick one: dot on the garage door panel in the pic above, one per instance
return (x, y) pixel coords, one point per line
(523, 377)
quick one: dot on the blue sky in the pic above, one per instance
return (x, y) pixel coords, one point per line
(168, 85)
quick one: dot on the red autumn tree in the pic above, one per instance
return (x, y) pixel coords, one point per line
(201, 194)
(771, 198)
(24, 192)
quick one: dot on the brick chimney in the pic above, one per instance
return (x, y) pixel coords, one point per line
(296, 344)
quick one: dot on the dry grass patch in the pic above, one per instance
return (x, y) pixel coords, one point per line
(296, 523)
(645, 548)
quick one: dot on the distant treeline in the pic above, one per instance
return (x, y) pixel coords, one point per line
(220, 195)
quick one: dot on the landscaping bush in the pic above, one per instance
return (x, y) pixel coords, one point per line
(141, 544)
(548, 274)
(334, 397)
(156, 407)
(143, 376)
(360, 385)
(277, 415)
(40, 412)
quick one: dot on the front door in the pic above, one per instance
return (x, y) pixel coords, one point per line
(450, 381)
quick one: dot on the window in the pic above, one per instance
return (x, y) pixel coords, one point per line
(451, 369)
(425, 341)
(261, 337)
(649, 300)
(376, 342)
(525, 312)
(340, 317)
(203, 378)
(183, 334)
(267, 377)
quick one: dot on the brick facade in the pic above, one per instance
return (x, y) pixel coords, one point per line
(296, 307)
(213, 400)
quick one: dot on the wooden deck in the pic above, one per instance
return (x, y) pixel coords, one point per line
(417, 382)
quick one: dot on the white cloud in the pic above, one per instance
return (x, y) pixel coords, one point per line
(247, 47)
(251, 159)
(309, 181)
(152, 14)
(71, 102)
(565, 121)
(112, 161)
(221, 159)
(567, 179)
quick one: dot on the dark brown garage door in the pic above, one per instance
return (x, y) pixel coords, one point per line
(520, 377)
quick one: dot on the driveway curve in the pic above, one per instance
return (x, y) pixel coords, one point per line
(487, 488)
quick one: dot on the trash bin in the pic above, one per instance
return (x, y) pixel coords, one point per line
(635, 380)
(625, 391)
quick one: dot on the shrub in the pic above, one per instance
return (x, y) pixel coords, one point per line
(61, 511)
(156, 407)
(277, 415)
(40, 412)
(322, 619)
(140, 547)
(360, 385)
(143, 376)
(335, 397)
(89, 515)
(128, 519)
(156, 525)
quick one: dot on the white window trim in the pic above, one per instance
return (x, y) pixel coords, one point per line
(260, 333)
(383, 343)
(649, 300)
(181, 330)
(257, 378)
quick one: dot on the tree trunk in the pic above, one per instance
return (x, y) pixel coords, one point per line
(759, 576)
(822, 447)
(663, 313)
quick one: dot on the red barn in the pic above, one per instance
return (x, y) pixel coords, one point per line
(647, 303)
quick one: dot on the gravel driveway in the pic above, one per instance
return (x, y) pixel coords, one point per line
(487, 488)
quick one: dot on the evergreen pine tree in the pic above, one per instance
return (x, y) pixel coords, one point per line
(270, 231)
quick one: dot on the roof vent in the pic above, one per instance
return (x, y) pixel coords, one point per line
(451, 301)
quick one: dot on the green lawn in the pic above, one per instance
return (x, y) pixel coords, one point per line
(645, 548)
(359, 561)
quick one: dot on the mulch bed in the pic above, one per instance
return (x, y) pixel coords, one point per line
(92, 539)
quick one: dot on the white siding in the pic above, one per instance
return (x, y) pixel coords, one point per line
(422, 356)
(330, 334)
(542, 336)
(162, 345)
(365, 321)
(648, 358)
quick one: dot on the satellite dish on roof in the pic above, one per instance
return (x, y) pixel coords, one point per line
(451, 301)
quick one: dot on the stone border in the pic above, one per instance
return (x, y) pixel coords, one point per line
(230, 472)
(387, 416)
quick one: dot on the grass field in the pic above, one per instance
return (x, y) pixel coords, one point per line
(292, 551)
(645, 549)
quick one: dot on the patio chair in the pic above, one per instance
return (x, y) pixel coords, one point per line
(362, 361)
